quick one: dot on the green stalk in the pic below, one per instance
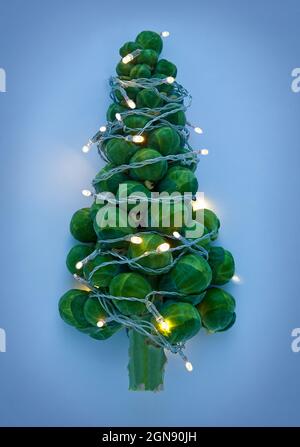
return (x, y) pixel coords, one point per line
(146, 364)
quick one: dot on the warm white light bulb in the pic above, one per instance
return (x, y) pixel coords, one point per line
(102, 129)
(164, 326)
(189, 366)
(136, 239)
(138, 138)
(131, 104)
(85, 149)
(176, 234)
(204, 152)
(163, 247)
(79, 265)
(198, 204)
(118, 116)
(127, 58)
(236, 279)
(165, 34)
(170, 79)
(100, 323)
(86, 192)
(198, 130)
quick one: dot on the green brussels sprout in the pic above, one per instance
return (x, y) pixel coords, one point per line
(136, 121)
(81, 226)
(113, 224)
(131, 93)
(150, 40)
(71, 308)
(100, 276)
(110, 184)
(148, 57)
(129, 47)
(164, 87)
(190, 276)
(112, 110)
(182, 319)
(190, 163)
(135, 188)
(119, 151)
(222, 265)
(140, 71)
(75, 255)
(95, 208)
(150, 242)
(165, 139)
(211, 222)
(94, 313)
(167, 68)
(130, 285)
(178, 117)
(199, 230)
(148, 97)
(217, 310)
(152, 172)
(178, 179)
(124, 69)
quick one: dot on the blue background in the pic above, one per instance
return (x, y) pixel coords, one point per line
(236, 58)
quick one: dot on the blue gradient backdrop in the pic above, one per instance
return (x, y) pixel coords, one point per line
(236, 58)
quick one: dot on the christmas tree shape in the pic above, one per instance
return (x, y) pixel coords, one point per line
(148, 262)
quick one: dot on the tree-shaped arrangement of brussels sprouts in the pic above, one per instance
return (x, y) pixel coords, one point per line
(152, 278)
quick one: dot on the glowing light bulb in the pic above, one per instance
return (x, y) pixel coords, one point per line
(136, 239)
(79, 265)
(164, 326)
(236, 279)
(102, 129)
(86, 148)
(86, 192)
(138, 138)
(128, 58)
(163, 247)
(165, 34)
(198, 204)
(100, 323)
(204, 152)
(198, 130)
(170, 79)
(131, 104)
(176, 234)
(189, 366)
(118, 116)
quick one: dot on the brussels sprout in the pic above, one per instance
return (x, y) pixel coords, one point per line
(81, 226)
(119, 151)
(150, 242)
(129, 47)
(136, 121)
(131, 93)
(167, 68)
(222, 265)
(130, 285)
(165, 139)
(95, 208)
(71, 308)
(152, 172)
(75, 255)
(150, 40)
(183, 321)
(124, 69)
(112, 110)
(165, 87)
(217, 310)
(140, 71)
(113, 224)
(148, 57)
(190, 276)
(211, 222)
(178, 179)
(148, 97)
(135, 188)
(110, 184)
(178, 117)
(94, 312)
(100, 276)
(199, 230)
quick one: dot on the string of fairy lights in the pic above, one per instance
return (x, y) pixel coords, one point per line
(155, 118)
